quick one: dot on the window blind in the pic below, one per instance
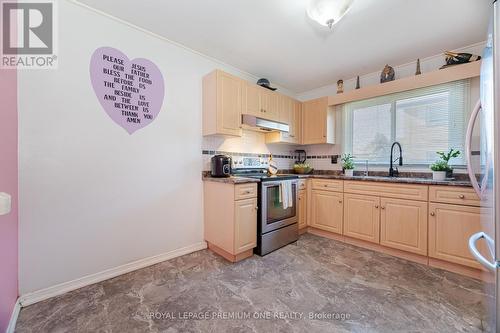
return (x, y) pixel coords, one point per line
(423, 120)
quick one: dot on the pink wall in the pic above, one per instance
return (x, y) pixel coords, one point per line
(8, 183)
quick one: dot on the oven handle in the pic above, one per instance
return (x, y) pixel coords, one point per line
(278, 182)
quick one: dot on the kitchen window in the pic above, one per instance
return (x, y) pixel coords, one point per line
(423, 120)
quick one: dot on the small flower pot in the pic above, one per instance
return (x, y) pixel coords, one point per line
(348, 172)
(438, 175)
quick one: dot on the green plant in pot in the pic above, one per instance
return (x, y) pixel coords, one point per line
(348, 164)
(441, 168)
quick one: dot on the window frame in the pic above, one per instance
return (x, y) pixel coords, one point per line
(349, 108)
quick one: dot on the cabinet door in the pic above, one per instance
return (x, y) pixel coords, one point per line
(403, 225)
(302, 196)
(362, 217)
(327, 211)
(296, 121)
(245, 228)
(270, 104)
(314, 121)
(251, 100)
(450, 227)
(285, 108)
(229, 103)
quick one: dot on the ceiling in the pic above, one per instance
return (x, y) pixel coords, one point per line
(276, 39)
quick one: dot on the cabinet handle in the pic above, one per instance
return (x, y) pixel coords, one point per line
(461, 196)
(340, 201)
(256, 207)
(376, 206)
(432, 213)
(247, 192)
(382, 207)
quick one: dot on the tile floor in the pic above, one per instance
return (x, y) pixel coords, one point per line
(348, 289)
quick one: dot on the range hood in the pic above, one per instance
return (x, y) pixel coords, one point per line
(262, 125)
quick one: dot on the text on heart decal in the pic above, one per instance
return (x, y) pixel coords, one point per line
(130, 91)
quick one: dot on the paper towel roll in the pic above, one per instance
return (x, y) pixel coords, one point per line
(5, 203)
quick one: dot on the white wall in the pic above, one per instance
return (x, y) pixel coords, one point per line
(402, 70)
(92, 196)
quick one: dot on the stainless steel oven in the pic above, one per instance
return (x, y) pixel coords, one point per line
(272, 214)
(276, 226)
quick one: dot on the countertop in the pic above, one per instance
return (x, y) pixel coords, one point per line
(230, 180)
(401, 180)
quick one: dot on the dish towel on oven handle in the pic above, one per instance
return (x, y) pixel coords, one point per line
(286, 194)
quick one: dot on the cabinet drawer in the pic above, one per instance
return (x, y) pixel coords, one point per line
(454, 195)
(245, 191)
(328, 185)
(398, 191)
(302, 184)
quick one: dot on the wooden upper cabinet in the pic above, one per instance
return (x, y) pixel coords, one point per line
(450, 227)
(290, 112)
(222, 104)
(318, 123)
(252, 100)
(296, 122)
(327, 211)
(270, 104)
(362, 217)
(403, 225)
(285, 109)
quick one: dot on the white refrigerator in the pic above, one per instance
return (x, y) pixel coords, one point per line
(487, 185)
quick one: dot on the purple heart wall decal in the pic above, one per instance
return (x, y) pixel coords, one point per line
(130, 91)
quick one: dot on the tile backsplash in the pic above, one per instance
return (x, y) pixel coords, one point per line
(251, 143)
(320, 157)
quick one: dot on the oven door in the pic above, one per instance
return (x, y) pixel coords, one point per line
(273, 216)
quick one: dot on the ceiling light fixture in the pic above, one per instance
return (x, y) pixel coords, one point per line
(328, 12)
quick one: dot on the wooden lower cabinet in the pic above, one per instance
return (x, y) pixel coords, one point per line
(362, 217)
(326, 210)
(403, 225)
(450, 227)
(245, 233)
(302, 208)
(230, 219)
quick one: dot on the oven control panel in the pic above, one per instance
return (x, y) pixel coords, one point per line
(241, 162)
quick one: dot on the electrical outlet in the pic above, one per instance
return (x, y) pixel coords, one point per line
(335, 159)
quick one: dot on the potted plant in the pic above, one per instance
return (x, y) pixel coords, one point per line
(447, 157)
(348, 165)
(441, 168)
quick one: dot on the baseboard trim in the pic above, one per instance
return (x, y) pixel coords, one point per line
(13, 317)
(59, 289)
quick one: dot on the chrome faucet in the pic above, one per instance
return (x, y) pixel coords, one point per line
(393, 171)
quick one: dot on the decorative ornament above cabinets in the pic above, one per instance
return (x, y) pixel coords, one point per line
(387, 74)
